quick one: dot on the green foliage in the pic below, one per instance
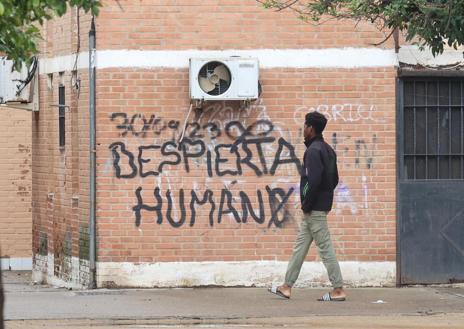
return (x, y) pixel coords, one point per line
(20, 21)
(434, 23)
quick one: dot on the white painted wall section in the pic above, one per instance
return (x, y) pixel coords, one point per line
(43, 272)
(63, 63)
(268, 58)
(345, 58)
(247, 273)
(413, 56)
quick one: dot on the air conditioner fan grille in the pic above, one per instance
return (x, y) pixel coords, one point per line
(214, 78)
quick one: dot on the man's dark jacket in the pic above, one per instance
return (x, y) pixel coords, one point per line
(319, 177)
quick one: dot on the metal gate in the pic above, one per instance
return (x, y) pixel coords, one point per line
(430, 125)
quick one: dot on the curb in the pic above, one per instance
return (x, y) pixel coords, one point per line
(237, 321)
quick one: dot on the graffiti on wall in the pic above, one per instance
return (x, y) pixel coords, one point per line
(353, 152)
(224, 146)
(353, 201)
(220, 143)
(360, 151)
(139, 125)
(277, 198)
(347, 113)
(227, 159)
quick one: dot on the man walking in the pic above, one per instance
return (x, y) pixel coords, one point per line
(318, 181)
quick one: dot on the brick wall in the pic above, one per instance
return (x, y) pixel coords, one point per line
(60, 173)
(214, 25)
(15, 188)
(60, 181)
(139, 125)
(205, 202)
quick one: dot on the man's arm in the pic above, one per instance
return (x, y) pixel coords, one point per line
(314, 168)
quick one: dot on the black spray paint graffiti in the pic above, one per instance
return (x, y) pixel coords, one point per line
(364, 151)
(138, 125)
(244, 152)
(218, 160)
(218, 163)
(277, 198)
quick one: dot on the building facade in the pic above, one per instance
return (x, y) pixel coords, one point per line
(220, 207)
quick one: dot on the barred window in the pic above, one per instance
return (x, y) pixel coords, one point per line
(433, 129)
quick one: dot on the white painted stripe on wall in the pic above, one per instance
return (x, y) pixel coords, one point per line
(268, 58)
(63, 63)
(16, 264)
(413, 56)
(247, 273)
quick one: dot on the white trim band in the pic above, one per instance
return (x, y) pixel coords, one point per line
(268, 58)
(413, 56)
(246, 273)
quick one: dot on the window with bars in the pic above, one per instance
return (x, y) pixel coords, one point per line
(433, 114)
(61, 115)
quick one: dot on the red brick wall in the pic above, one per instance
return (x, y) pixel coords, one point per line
(60, 174)
(147, 107)
(232, 24)
(360, 104)
(15, 183)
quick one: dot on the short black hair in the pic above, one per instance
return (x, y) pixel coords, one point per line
(317, 120)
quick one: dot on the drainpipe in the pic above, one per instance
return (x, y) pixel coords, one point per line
(92, 156)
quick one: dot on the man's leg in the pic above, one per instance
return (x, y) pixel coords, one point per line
(321, 234)
(300, 250)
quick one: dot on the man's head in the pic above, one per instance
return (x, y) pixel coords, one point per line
(315, 123)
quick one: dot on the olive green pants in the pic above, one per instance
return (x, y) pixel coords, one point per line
(314, 227)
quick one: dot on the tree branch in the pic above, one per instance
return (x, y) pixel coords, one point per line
(288, 4)
(384, 40)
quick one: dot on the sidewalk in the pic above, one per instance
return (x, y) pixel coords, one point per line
(52, 307)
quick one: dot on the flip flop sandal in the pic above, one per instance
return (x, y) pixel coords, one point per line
(275, 291)
(328, 298)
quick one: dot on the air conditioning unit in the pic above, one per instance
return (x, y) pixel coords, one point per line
(233, 78)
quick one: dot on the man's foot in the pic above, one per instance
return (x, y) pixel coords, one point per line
(283, 291)
(336, 295)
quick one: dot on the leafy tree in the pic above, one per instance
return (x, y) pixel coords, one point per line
(433, 23)
(20, 21)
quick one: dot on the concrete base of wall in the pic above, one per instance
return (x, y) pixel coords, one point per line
(74, 276)
(16, 264)
(193, 274)
(249, 274)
